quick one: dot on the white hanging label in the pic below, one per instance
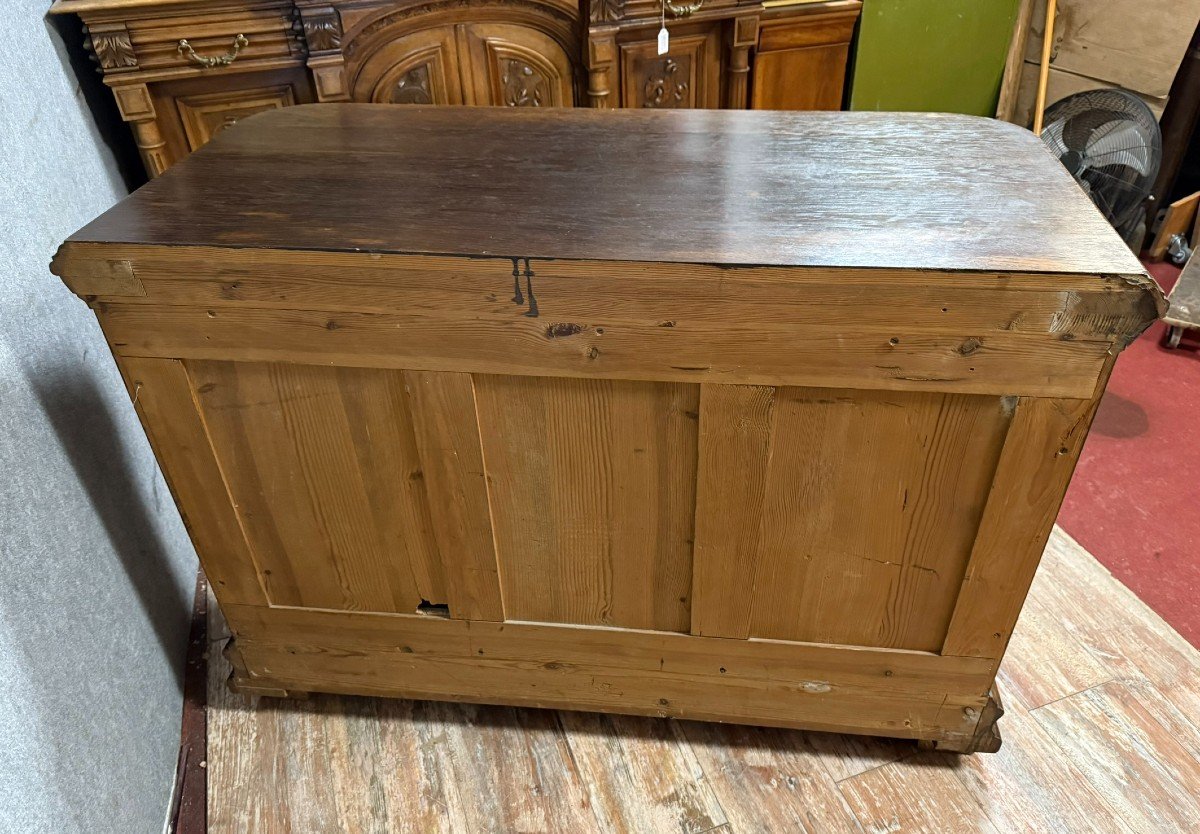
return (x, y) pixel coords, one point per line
(664, 41)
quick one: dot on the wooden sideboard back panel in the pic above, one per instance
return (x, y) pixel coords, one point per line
(795, 465)
(600, 502)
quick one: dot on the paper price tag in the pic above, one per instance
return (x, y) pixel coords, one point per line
(664, 41)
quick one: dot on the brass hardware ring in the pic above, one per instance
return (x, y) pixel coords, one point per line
(225, 60)
(684, 9)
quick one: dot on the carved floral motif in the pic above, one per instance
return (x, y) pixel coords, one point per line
(522, 85)
(113, 49)
(606, 11)
(668, 87)
(323, 31)
(413, 87)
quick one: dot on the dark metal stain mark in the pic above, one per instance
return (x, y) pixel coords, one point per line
(517, 297)
(561, 330)
(666, 324)
(532, 312)
(970, 346)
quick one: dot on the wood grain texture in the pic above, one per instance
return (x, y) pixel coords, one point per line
(736, 427)
(310, 454)
(1133, 757)
(897, 797)
(373, 764)
(1078, 306)
(621, 467)
(611, 670)
(447, 437)
(163, 395)
(766, 780)
(1036, 463)
(920, 465)
(592, 486)
(827, 189)
(1000, 363)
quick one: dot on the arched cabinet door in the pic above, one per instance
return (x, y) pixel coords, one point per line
(515, 66)
(418, 68)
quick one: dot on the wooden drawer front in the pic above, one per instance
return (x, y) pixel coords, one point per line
(688, 76)
(204, 116)
(268, 29)
(652, 9)
(815, 30)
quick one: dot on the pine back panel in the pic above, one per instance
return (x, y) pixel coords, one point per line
(606, 502)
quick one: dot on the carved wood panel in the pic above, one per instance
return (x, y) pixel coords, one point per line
(207, 114)
(516, 66)
(420, 68)
(687, 76)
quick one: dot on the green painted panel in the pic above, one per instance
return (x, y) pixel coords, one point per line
(945, 55)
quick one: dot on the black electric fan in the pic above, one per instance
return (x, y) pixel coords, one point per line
(1110, 142)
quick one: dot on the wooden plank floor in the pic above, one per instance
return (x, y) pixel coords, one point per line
(1101, 734)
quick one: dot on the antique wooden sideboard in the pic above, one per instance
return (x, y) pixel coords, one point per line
(182, 70)
(746, 416)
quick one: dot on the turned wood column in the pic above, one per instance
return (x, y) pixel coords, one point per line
(601, 69)
(137, 108)
(742, 37)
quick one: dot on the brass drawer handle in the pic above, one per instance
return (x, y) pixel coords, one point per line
(185, 49)
(684, 9)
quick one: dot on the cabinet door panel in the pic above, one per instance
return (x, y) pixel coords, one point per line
(207, 114)
(687, 77)
(421, 68)
(799, 79)
(515, 66)
(191, 111)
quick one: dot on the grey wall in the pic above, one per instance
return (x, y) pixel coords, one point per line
(96, 572)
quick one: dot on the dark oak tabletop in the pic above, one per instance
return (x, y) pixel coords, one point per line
(922, 191)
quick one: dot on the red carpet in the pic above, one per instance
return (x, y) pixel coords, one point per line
(1135, 500)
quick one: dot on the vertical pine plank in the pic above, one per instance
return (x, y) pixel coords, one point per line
(163, 396)
(736, 425)
(447, 437)
(1036, 463)
(304, 449)
(873, 502)
(592, 487)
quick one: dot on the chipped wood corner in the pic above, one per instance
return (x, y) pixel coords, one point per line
(985, 738)
(88, 274)
(244, 682)
(1149, 308)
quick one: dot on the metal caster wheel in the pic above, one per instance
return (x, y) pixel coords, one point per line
(1173, 337)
